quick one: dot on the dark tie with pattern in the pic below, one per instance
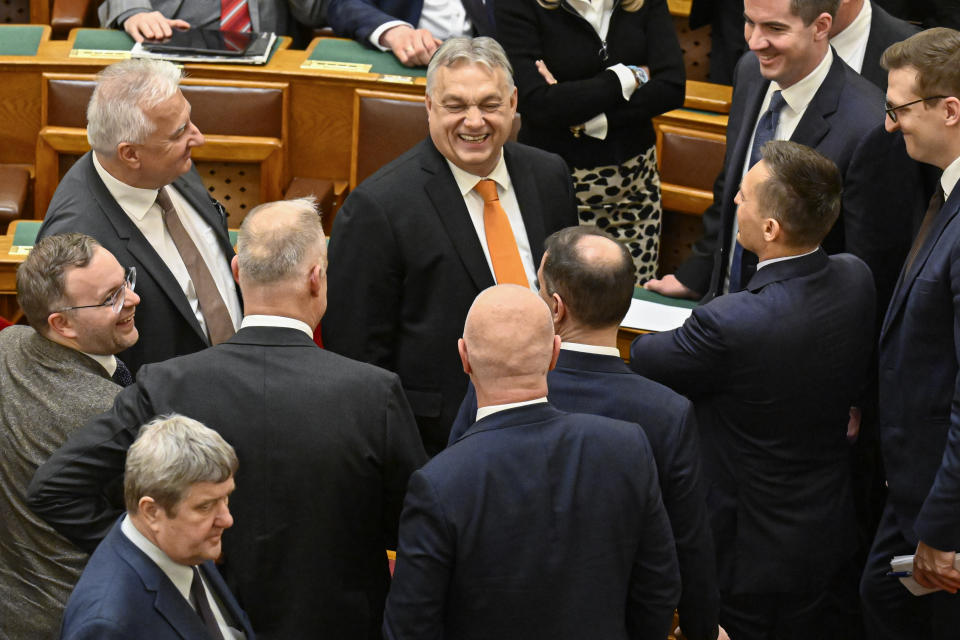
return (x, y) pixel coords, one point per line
(215, 315)
(936, 203)
(199, 596)
(766, 129)
(122, 374)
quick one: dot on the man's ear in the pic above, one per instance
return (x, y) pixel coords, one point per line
(952, 107)
(150, 511)
(558, 309)
(821, 26)
(129, 154)
(772, 230)
(235, 268)
(61, 324)
(556, 352)
(315, 278)
(464, 358)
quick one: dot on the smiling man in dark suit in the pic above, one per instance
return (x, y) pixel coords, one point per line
(139, 196)
(415, 243)
(773, 371)
(920, 361)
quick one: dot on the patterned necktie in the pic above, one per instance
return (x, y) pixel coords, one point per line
(234, 15)
(199, 596)
(122, 375)
(215, 315)
(504, 254)
(766, 129)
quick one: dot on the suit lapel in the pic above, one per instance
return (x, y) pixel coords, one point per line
(906, 280)
(530, 201)
(140, 249)
(212, 212)
(450, 208)
(815, 124)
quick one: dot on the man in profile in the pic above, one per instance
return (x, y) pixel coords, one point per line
(153, 577)
(773, 371)
(536, 523)
(54, 375)
(415, 243)
(587, 281)
(327, 444)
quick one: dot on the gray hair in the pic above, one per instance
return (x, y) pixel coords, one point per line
(268, 253)
(124, 91)
(41, 278)
(482, 50)
(172, 453)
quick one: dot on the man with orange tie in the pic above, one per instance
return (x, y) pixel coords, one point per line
(415, 243)
(155, 19)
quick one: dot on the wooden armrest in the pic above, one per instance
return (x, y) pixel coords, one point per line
(329, 194)
(13, 193)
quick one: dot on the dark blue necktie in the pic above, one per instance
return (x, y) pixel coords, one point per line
(122, 374)
(766, 129)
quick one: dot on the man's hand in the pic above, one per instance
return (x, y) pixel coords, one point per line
(671, 287)
(413, 47)
(934, 569)
(853, 424)
(152, 25)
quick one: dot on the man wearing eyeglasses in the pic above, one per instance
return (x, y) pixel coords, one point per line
(138, 194)
(54, 375)
(920, 361)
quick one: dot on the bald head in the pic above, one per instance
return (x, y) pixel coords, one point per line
(508, 336)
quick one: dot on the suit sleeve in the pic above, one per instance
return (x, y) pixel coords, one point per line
(365, 284)
(938, 523)
(96, 629)
(655, 579)
(684, 500)
(356, 19)
(113, 12)
(689, 359)
(405, 454)
(71, 490)
(425, 556)
(571, 102)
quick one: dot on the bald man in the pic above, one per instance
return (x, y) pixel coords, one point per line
(536, 523)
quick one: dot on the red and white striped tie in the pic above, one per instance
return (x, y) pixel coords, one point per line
(234, 15)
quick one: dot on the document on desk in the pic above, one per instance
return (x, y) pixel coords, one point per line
(654, 316)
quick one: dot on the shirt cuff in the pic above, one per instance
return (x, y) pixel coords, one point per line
(596, 127)
(379, 31)
(628, 82)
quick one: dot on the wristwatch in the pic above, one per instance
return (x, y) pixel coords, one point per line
(640, 74)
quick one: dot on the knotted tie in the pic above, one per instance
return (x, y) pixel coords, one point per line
(234, 15)
(766, 129)
(122, 375)
(219, 324)
(198, 594)
(504, 254)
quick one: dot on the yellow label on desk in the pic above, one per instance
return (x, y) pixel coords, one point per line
(392, 78)
(20, 251)
(331, 65)
(99, 53)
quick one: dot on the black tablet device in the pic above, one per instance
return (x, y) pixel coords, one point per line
(210, 42)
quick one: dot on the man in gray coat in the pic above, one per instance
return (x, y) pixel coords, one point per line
(54, 375)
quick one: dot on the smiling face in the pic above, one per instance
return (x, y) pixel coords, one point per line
(165, 154)
(98, 330)
(920, 123)
(193, 534)
(470, 111)
(787, 49)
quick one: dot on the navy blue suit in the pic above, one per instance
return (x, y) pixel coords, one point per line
(357, 19)
(604, 385)
(844, 122)
(536, 524)
(885, 29)
(920, 431)
(123, 594)
(772, 372)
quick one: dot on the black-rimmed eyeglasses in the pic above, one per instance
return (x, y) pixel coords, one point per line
(892, 111)
(116, 299)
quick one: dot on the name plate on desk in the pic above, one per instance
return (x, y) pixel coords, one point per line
(336, 65)
(101, 43)
(337, 54)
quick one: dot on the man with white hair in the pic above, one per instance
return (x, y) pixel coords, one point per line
(137, 194)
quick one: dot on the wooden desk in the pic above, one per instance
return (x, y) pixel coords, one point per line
(8, 277)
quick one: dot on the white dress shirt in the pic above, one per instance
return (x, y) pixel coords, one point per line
(764, 263)
(590, 348)
(508, 200)
(180, 575)
(483, 412)
(851, 43)
(950, 177)
(276, 321)
(108, 362)
(797, 97)
(140, 206)
(443, 18)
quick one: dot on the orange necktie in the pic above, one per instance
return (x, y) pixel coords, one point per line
(504, 254)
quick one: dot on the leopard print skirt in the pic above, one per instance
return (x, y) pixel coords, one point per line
(623, 201)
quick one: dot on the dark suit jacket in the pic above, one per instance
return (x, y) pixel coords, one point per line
(604, 385)
(920, 388)
(357, 19)
(406, 264)
(167, 324)
(885, 29)
(122, 594)
(772, 372)
(536, 524)
(844, 122)
(325, 447)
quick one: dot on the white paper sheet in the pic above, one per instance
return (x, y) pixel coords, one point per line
(652, 316)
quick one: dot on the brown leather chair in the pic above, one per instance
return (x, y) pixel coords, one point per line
(689, 162)
(245, 125)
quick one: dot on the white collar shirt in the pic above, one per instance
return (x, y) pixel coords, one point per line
(442, 18)
(489, 410)
(851, 43)
(276, 321)
(590, 348)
